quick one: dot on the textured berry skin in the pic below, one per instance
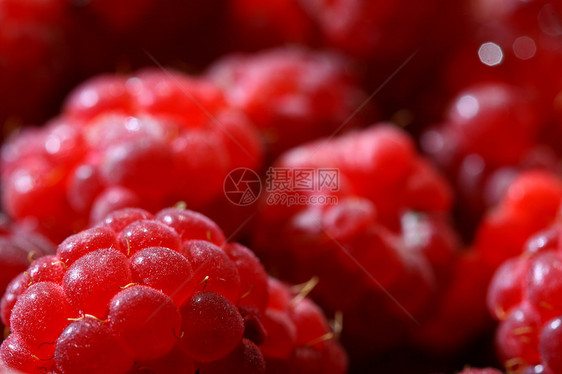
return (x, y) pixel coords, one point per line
(524, 296)
(104, 304)
(126, 141)
(388, 230)
(292, 95)
(19, 246)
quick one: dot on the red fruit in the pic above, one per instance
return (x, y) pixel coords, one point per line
(365, 244)
(127, 141)
(527, 304)
(292, 95)
(92, 308)
(491, 132)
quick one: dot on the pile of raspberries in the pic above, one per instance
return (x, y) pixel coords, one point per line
(288, 186)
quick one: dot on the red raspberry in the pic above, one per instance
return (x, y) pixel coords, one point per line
(473, 147)
(291, 94)
(127, 141)
(109, 301)
(525, 297)
(387, 234)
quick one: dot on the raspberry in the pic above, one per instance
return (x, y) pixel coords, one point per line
(126, 141)
(292, 95)
(524, 296)
(473, 149)
(387, 232)
(156, 302)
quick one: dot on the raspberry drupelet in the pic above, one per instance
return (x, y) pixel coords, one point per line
(160, 293)
(292, 95)
(147, 140)
(20, 245)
